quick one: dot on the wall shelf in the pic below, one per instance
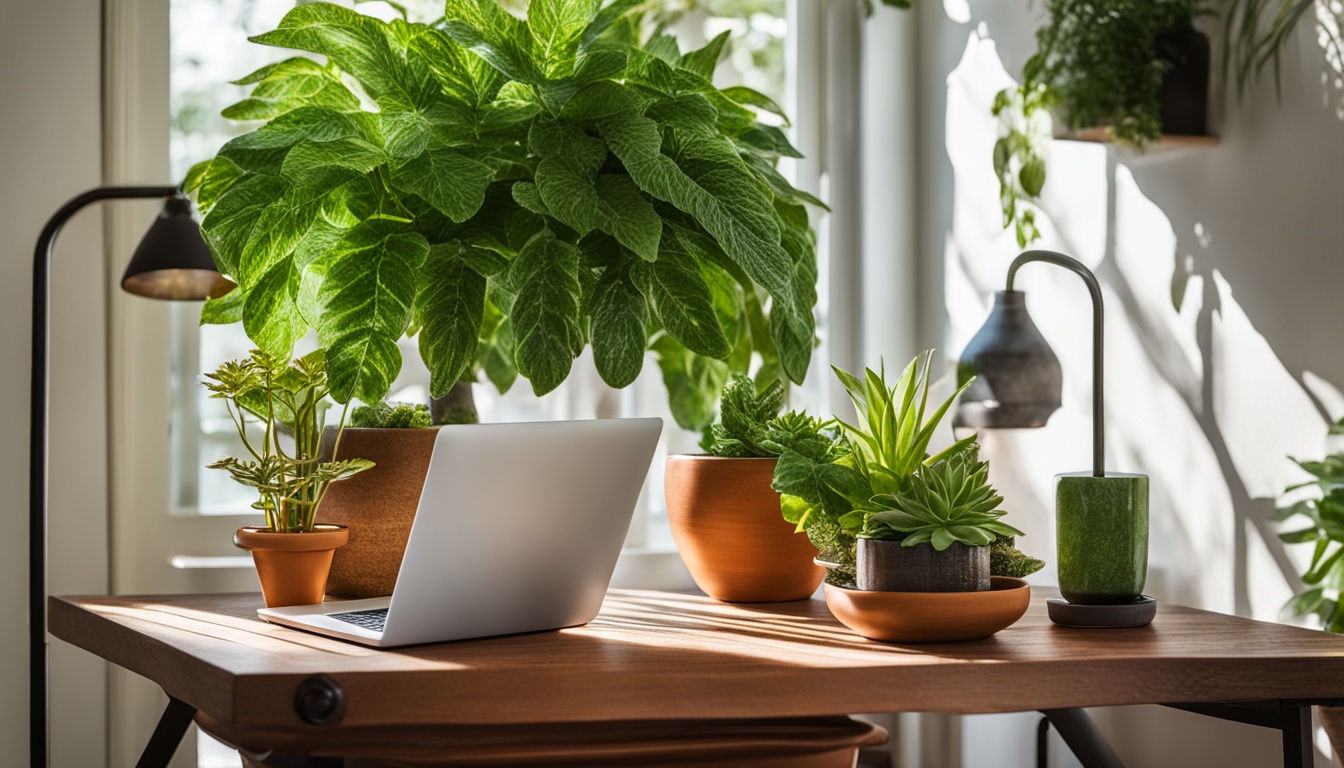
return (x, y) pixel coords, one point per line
(1168, 141)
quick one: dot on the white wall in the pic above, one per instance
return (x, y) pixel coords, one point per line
(50, 150)
(1208, 400)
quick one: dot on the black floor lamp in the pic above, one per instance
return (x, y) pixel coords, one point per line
(171, 262)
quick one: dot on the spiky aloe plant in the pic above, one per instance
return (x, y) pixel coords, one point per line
(948, 501)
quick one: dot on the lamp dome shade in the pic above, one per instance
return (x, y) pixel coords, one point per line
(1018, 378)
(172, 261)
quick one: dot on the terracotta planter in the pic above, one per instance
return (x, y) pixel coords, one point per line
(727, 525)
(377, 504)
(930, 617)
(292, 567)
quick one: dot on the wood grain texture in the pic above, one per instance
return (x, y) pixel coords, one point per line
(664, 656)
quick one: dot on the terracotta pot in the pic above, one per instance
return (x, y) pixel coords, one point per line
(292, 567)
(377, 504)
(930, 617)
(727, 525)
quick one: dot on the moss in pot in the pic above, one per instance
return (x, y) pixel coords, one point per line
(939, 534)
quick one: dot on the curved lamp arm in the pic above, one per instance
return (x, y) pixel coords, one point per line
(1098, 409)
(37, 456)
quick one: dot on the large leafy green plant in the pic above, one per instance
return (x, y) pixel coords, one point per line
(510, 190)
(289, 400)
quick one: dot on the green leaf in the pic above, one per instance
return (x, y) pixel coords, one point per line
(753, 98)
(556, 26)
(270, 317)
(620, 327)
(704, 61)
(360, 45)
(228, 226)
(693, 382)
(366, 297)
(448, 180)
(834, 486)
(462, 75)
(290, 84)
(449, 309)
(223, 310)
(677, 292)
(546, 311)
(492, 33)
(209, 179)
(631, 218)
(707, 180)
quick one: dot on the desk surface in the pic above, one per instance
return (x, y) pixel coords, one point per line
(655, 655)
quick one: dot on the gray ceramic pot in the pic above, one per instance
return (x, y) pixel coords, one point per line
(886, 566)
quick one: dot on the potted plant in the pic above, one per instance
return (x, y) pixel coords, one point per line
(510, 190)
(860, 490)
(292, 551)
(723, 512)
(1322, 508)
(379, 505)
(935, 534)
(1128, 69)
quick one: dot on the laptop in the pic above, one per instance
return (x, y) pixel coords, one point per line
(518, 530)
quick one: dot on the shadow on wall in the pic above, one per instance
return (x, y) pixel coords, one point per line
(1196, 398)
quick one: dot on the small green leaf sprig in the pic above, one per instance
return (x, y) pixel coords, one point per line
(287, 398)
(745, 416)
(1019, 155)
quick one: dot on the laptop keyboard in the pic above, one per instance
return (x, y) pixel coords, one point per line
(374, 620)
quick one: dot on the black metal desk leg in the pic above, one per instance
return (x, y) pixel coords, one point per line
(1298, 751)
(168, 735)
(1084, 738)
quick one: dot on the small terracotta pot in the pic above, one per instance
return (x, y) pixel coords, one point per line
(292, 567)
(378, 504)
(727, 524)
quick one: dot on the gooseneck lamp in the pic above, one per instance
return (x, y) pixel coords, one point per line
(1101, 518)
(171, 262)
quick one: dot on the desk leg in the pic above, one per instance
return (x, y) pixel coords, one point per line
(1085, 740)
(167, 735)
(1291, 718)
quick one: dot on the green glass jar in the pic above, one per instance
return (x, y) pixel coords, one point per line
(1101, 526)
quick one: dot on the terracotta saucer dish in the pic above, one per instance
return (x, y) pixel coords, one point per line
(930, 617)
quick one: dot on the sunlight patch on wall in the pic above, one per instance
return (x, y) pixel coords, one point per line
(1264, 414)
(1327, 394)
(1145, 252)
(958, 10)
(1329, 21)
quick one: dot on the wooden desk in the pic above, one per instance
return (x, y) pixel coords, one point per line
(652, 656)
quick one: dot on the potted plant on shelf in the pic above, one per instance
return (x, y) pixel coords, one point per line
(1127, 71)
(513, 190)
(292, 552)
(723, 512)
(379, 505)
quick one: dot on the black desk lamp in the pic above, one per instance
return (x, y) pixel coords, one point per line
(171, 262)
(1101, 518)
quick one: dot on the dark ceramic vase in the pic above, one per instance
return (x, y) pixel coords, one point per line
(1184, 98)
(887, 566)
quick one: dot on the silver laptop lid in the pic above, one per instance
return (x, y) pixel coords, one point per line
(519, 527)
